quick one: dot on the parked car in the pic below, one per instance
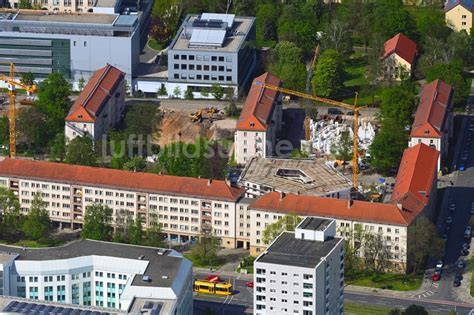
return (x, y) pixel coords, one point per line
(464, 252)
(461, 264)
(436, 276)
(461, 167)
(458, 276)
(456, 283)
(213, 278)
(464, 156)
(471, 124)
(472, 207)
(439, 265)
(452, 207)
(467, 232)
(449, 220)
(334, 111)
(466, 246)
(249, 284)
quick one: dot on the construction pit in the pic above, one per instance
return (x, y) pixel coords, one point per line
(182, 125)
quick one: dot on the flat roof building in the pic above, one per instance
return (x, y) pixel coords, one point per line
(301, 272)
(306, 177)
(212, 49)
(102, 274)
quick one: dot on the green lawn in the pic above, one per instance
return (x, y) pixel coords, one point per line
(471, 267)
(26, 243)
(215, 264)
(153, 44)
(364, 309)
(386, 281)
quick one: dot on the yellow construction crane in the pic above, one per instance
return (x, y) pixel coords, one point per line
(12, 84)
(355, 108)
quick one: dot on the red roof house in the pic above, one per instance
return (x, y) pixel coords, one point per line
(402, 46)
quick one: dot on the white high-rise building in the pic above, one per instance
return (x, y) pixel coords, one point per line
(302, 272)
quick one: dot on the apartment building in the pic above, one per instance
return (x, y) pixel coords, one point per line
(102, 274)
(301, 272)
(92, 6)
(184, 207)
(260, 121)
(459, 14)
(212, 49)
(433, 124)
(399, 57)
(99, 106)
(73, 44)
(308, 177)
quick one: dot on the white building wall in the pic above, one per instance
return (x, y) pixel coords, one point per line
(249, 144)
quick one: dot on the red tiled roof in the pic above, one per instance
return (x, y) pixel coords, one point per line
(305, 205)
(417, 170)
(431, 113)
(402, 46)
(118, 179)
(258, 106)
(96, 93)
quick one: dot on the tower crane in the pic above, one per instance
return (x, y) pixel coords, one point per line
(355, 108)
(12, 84)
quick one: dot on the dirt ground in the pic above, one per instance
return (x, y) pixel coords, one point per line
(176, 125)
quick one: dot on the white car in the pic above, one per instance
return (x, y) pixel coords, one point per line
(439, 265)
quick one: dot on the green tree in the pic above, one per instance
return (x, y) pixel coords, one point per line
(217, 91)
(97, 222)
(452, 73)
(395, 311)
(37, 224)
(27, 78)
(162, 90)
(81, 84)
(135, 232)
(387, 148)
(329, 75)
(296, 28)
(4, 130)
(399, 103)
(204, 251)
(153, 234)
(205, 92)
(214, 164)
(286, 223)
(142, 119)
(118, 147)
(288, 66)
(184, 159)
(25, 4)
(53, 100)
(337, 37)
(10, 217)
(430, 22)
(232, 110)
(31, 129)
(424, 242)
(415, 310)
(135, 164)
(266, 17)
(390, 18)
(177, 92)
(57, 149)
(188, 94)
(342, 148)
(80, 151)
(245, 7)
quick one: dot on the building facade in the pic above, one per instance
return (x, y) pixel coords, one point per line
(93, 6)
(73, 44)
(433, 124)
(99, 106)
(101, 274)
(399, 57)
(301, 272)
(459, 14)
(212, 49)
(260, 121)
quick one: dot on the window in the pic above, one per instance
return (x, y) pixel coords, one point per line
(184, 66)
(33, 293)
(191, 57)
(191, 67)
(214, 58)
(184, 57)
(214, 68)
(176, 66)
(228, 78)
(198, 67)
(176, 57)
(206, 68)
(61, 293)
(221, 68)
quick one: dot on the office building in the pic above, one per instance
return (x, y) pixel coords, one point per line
(260, 121)
(433, 124)
(102, 274)
(306, 177)
(185, 207)
(99, 106)
(212, 49)
(73, 44)
(301, 272)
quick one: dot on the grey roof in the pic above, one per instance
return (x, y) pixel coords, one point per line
(162, 269)
(202, 37)
(290, 251)
(86, 18)
(315, 224)
(469, 4)
(126, 20)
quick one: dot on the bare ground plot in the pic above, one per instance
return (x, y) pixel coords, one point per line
(177, 126)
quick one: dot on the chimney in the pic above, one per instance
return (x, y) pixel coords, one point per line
(400, 206)
(350, 202)
(209, 182)
(282, 195)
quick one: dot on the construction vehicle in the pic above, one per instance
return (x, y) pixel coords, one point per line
(12, 84)
(197, 116)
(354, 108)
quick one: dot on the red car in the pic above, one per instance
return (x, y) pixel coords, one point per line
(436, 276)
(213, 278)
(249, 284)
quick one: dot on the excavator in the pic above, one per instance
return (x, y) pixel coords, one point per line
(199, 115)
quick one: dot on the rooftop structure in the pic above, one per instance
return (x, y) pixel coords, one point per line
(307, 177)
(10, 305)
(417, 173)
(402, 46)
(215, 32)
(103, 177)
(431, 115)
(156, 278)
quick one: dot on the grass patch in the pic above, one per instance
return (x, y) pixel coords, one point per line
(197, 263)
(153, 44)
(364, 309)
(27, 243)
(396, 282)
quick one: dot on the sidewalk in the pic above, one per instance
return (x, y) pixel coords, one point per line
(426, 286)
